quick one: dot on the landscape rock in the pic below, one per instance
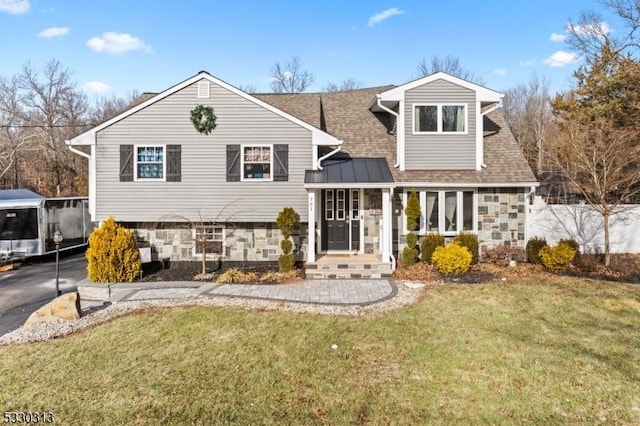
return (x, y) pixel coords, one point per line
(61, 309)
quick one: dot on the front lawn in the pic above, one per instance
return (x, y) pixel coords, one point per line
(554, 351)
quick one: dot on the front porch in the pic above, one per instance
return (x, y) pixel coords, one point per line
(348, 265)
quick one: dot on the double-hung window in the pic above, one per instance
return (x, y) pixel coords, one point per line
(440, 118)
(150, 162)
(256, 162)
(447, 212)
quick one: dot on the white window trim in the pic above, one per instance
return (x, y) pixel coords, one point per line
(242, 178)
(439, 118)
(194, 250)
(441, 210)
(135, 163)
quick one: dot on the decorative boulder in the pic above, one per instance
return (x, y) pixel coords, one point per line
(62, 308)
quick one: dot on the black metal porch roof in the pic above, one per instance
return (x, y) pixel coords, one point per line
(351, 171)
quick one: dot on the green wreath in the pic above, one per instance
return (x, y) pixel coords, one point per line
(203, 119)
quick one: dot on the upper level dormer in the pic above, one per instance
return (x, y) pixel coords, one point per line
(438, 122)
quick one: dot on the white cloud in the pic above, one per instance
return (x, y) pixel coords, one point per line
(117, 43)
(527, 62)
(500, 72)
(598, 28)
(15, 7)
(97, 87)
(561, 59)
(386, 14)
(53, 32)
(558, 37)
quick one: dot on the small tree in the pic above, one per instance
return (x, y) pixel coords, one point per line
(413, 213)
(287, 221)
(112, 255)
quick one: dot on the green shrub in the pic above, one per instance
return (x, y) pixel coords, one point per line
(286, 246)
(112, 255)
(558, 257)
(409, 256)
(451, 259)
(410, 252)
(534, 245)
(413, 211)
(287, 220)
(286, 262)
(470, 241)
(428, 245)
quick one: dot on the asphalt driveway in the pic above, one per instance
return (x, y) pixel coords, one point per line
(24, 290)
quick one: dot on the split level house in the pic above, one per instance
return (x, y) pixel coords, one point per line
(344, 161)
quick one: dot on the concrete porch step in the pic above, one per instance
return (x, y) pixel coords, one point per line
(346, 270)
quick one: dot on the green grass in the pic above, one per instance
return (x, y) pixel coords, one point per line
(560, 352)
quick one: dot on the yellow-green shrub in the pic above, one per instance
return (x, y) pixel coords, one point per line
(451, 259)
(470, 241)
(112, 255)
(558, 257)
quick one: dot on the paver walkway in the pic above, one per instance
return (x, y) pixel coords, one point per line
(331, 291)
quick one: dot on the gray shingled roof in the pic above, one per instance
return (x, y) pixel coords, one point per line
(365, 134)
(346, 116)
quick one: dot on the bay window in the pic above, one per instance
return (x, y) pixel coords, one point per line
(447, 212)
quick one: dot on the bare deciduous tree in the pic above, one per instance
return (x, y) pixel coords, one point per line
(590, 32)
(528, 112)
(248, 88)
(450, 65)
(347, 84)
(597, 147)
(596, 159)
(290, 77)
(107, 107)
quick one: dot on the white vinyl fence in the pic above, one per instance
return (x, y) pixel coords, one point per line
(585, 225)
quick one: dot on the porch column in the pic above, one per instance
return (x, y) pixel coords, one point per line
(311, 237)
(386, 225)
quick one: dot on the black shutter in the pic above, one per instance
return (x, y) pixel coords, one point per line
(126, 163)
(281, 163)
(233, 163)
(174, 163)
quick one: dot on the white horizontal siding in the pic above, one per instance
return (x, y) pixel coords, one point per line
(440, 151)
(203, 187)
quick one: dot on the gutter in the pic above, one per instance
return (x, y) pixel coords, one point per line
(395, 114)
(77, 151)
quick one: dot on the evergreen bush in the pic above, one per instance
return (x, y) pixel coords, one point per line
(429, 244)
(412, 211)
(452, 259)
(558, 257)
(113, 254)
(534, 245)
(287, 221)
(470, 241)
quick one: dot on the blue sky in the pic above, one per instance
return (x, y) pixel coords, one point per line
(117, 46)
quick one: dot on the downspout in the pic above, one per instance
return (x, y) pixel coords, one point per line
(527, 213)
(324, 157)
(482, 114)
(395, 114)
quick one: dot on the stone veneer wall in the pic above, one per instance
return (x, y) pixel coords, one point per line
(244, 242)
(372, 214)
(501, 217)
